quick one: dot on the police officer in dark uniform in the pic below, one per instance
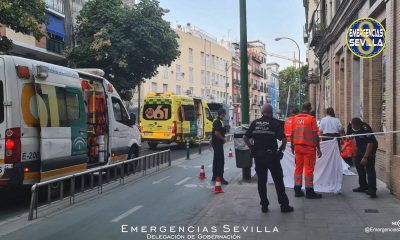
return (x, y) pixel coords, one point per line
(265, 131)
(367, 146)
(217, 142)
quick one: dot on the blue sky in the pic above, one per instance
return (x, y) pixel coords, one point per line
(266, 20)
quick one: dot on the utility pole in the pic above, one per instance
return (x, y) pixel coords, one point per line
(244, 74)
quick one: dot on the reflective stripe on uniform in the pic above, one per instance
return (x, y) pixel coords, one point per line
(264, 132)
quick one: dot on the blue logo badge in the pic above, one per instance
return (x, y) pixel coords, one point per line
(366, 38)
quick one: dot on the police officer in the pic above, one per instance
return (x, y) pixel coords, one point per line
(367, 146)
(264, 132)
(217, 142)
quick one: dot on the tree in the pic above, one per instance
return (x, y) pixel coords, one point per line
(129, 44)
(289, 77)
(22, 16)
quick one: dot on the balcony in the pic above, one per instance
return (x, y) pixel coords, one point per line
(257, 59)
(258, 72)
(317, 29)
(56, 5)
(236, 82)
(54, 45)
(255, 86)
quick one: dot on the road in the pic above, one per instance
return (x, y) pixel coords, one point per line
(16, 202)
(169, 198)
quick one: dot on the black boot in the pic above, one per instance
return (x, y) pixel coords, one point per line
(298, 192)
(310, 194)
(264, 208)
(360, 189)
(286, 208)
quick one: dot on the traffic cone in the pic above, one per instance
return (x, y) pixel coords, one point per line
(230, 154)
(202, 174)
(218, 188)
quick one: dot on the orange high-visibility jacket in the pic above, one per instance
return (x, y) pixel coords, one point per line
(304, 127)
(348, 149)
(288, 127)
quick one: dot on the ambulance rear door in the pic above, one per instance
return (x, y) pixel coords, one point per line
(62, 117)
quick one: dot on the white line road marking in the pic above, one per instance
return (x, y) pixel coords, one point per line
(226, 169)
(127, 213)
(161, 180)
(183, 181)
(210, 165)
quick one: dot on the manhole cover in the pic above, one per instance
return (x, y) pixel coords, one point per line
(371, 211)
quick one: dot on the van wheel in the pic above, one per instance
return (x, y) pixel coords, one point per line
(133, 152)
(152, 145)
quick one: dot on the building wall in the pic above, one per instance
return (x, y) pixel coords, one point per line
(194, 71)
(366, 88)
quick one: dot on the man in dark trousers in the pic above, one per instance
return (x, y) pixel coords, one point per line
(264, 132)
(366, 146)
(217, 142)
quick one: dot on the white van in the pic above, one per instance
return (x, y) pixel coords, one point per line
(56, 121)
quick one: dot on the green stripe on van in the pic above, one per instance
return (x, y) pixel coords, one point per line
(157, 101)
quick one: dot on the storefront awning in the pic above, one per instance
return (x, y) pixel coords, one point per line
(55, 25)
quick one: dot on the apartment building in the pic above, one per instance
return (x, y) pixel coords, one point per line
(272, 85)
(61, 15)
(204, 69)
(354, 87)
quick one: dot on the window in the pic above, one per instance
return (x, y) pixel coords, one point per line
(208, 60)
(165, 87)
(1, 101)
(213, 61)
(209, 115)
(191, 89)
(66, 109)
(154, 87)
(203, 93)
(157, 111)
(165, 72)
(187, 113)
(178, 90)
(73, 111)
(178, 72)
(120, 113)
(191, 79)
(203, 77)
(208, 78)
(203, 59)
(190, 55)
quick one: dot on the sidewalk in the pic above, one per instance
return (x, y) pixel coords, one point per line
(335, 216)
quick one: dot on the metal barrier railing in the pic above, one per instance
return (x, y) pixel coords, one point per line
(105, 174)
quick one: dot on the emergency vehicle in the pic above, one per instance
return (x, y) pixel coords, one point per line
(56, 121)
(168, 118)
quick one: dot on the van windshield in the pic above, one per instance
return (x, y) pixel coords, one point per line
(157, 112)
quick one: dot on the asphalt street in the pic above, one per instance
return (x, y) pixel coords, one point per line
(14, 202)
(171, 197)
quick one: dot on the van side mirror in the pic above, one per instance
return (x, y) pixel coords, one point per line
(132, 119)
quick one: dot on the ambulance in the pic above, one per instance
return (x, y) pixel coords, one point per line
(168, 118)
(56, 121)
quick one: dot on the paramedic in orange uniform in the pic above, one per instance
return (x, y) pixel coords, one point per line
(305, 146)
(288, 124)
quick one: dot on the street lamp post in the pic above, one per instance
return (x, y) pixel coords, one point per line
(226, 81)
(280, 38)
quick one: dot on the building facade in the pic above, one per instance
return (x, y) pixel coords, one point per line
(257, 77)
(61, 15)
(354, 87)
(236, 96)
(272, 79)
(204, 69)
